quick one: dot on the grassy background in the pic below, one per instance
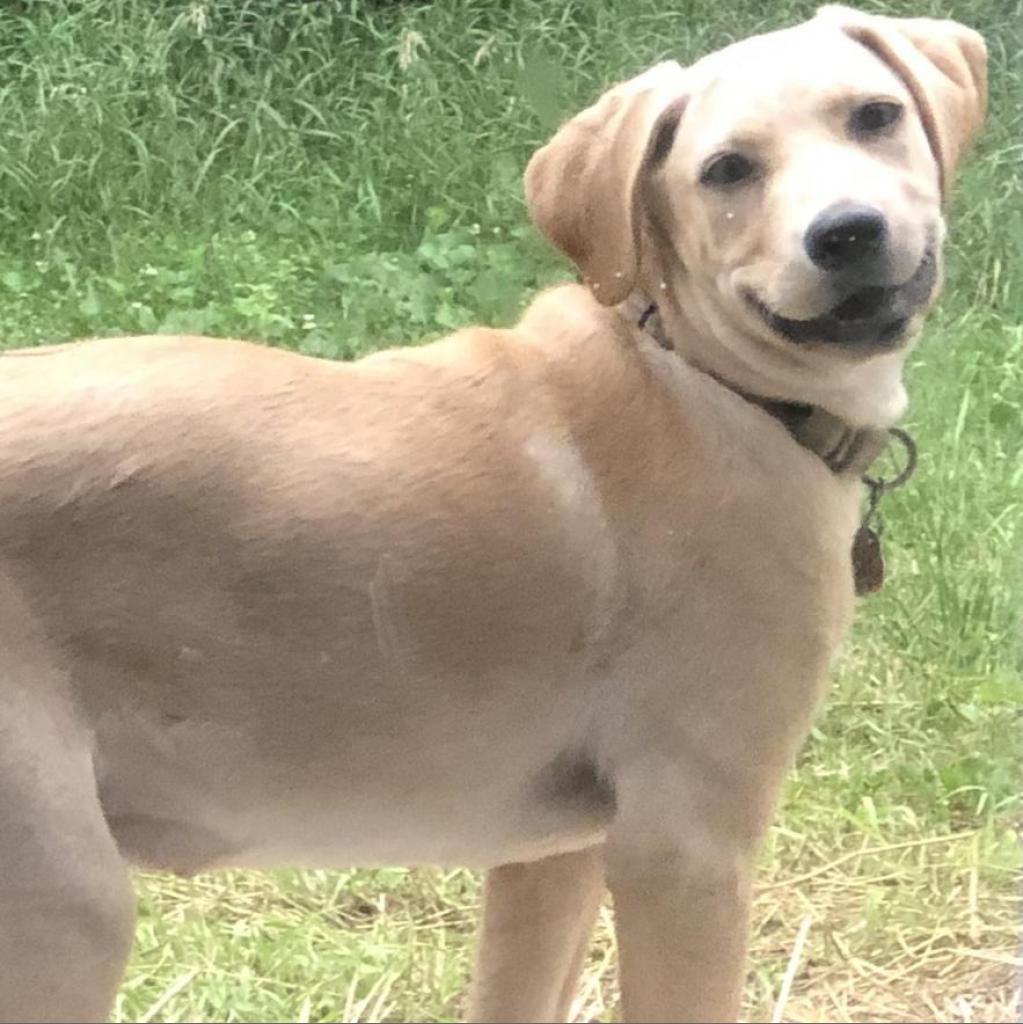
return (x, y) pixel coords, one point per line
(339, 176)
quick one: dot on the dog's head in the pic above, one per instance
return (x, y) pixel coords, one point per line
(780, 199)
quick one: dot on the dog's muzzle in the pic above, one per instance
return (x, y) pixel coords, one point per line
(873, 315)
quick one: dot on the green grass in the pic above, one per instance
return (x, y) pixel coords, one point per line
(336, 177)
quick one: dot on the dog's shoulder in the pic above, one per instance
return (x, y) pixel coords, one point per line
(564, 317)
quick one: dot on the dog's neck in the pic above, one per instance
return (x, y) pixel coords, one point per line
(844, 449)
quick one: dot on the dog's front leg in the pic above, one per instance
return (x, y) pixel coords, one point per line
(679, 865)
(537, 920)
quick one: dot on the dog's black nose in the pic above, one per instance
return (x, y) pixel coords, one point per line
(845, 235)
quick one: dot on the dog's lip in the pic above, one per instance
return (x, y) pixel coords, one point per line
(875, 313)
(862, 303)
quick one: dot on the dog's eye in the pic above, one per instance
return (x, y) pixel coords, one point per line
(728, 169)
(873, 117)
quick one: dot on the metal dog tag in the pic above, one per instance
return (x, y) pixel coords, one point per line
(867, 561)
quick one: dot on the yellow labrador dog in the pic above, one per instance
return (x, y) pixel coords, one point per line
(556, 601)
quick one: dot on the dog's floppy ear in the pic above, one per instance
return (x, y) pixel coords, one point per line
(944, 66)
(583, 187)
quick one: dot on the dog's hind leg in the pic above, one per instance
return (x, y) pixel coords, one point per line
(66, 903)
(537, 920)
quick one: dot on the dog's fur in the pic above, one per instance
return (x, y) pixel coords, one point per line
(551, 601)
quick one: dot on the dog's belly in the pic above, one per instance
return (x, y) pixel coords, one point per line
(316, 788)
(343, 835)
(491, 825)
(351, 833)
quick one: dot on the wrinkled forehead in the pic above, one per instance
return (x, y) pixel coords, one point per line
(782, 77)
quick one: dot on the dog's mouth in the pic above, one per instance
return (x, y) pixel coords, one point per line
(875, 315)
